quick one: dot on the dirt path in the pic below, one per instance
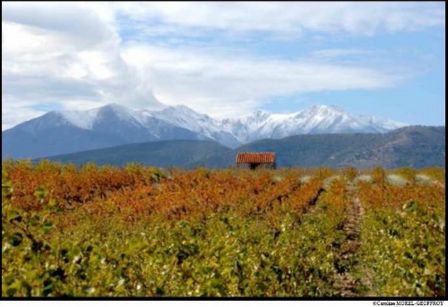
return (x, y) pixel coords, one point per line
(346, 285)
(310, 208)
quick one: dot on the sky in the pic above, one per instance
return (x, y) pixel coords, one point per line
(225, 59)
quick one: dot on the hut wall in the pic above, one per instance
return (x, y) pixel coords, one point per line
(258, 165)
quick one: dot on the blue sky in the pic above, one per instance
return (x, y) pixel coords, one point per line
(226, 60)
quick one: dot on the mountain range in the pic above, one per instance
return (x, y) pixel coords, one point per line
(413, 146)
(63, 132)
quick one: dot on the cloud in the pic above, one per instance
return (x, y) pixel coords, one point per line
(64, 53)
(83, 55)
(60, 23)
(12, 116)
(334, 53)
(206, 80)
(291, 17)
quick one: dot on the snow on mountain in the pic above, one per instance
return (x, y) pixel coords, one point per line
(87, 119)
(316, 119)
(384, 124)
(81, 119)
(115, 124)
(185, 117)
(231, 132)
(321, 119)
(202, 124)
(72, 131)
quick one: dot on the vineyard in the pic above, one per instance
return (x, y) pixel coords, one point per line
(141, 231)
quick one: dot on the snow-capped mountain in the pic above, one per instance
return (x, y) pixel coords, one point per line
(60, 132)
(204, 125)
(313, 120)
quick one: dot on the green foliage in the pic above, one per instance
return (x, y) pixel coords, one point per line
(403, 242)
(139, 232)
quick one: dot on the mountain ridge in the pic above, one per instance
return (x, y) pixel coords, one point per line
(414, 146)
(115, 124)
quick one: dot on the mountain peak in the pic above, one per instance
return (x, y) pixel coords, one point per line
(324, 108)
(117, 124)
(258, 115)
(182, 107)
(179, 108)
(115, 107)
(317, 118)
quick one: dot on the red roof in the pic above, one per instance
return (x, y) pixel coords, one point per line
(255, 157)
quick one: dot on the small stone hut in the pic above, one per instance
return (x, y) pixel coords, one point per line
(255, 160)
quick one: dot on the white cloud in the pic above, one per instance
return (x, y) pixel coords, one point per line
(207, 81)
(292, 17)
(333, 53)
(63, 53)
(72, 23)
(71, 53)
(14, 112)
